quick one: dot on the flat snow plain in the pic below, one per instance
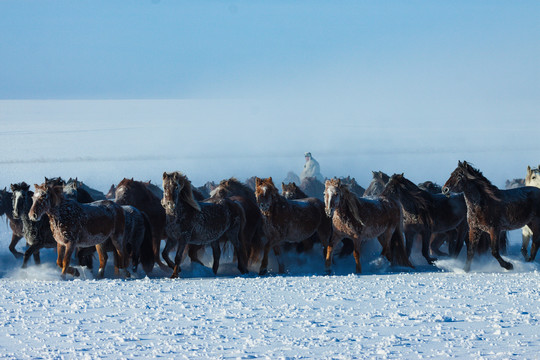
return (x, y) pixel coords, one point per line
(427, 312)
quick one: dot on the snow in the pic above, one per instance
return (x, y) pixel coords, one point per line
(426, 312)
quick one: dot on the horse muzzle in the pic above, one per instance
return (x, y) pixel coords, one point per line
(329, 212)
(169, 205)
(446, 191)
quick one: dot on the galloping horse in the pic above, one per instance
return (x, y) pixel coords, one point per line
(288, 220)
(492, 210)
(38, 234)
(200, 223)
(425, 213)
(16, 225)
(532, 179)
(360, 219)
(243, 195)
(78, 225)
(144, 196)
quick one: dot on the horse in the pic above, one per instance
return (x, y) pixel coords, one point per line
(377, 185)
(16, 225)
(38, 234)
(430, 187)
(360, 219)
(492, 210)
(312, 187)
(291, 191)
(288, 220)
(201, 223)
(74, 191)
(532, 179)
(142, 195)
(514, 183)
(243, 195)
(207, 189)
(425, 213)
(76, 225)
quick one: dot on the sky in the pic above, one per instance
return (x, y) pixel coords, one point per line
(235, 49)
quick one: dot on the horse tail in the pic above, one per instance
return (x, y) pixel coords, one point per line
(398, 251)
(147, 250)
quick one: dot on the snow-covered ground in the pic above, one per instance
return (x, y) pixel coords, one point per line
(426, 312)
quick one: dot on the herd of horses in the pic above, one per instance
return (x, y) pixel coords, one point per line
(133, 219)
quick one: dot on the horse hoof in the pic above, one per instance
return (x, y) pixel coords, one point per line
(263, 272)
(18, 255)
(174, 276)
(509, 266)
(76, 273)
(328, 271)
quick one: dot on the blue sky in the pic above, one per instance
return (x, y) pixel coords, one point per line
(221, 49)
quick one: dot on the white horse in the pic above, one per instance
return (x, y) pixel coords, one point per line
(532, 179)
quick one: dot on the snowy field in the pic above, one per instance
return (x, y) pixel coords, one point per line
(427, 312)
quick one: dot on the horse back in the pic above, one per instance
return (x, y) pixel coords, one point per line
(104, 217)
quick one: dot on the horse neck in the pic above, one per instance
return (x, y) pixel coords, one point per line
(7, 209)
(474, 195)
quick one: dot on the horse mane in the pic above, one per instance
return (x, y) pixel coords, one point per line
(413, 196)
(20, 187)
(477, 178)
(351, 201)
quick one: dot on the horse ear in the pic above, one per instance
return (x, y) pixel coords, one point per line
(294, 183)
(257, 181)
(164, 175)
(528, 169)
(459, 163)
(270, 179)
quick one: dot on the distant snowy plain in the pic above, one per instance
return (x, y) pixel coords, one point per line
(426, 312)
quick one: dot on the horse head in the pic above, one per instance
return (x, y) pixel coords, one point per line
(265, 193)
(290, 190)
(45, 198)
(332, 195)
(456, 181)
(176, 188)
(533, 177)
(21, 199)
(5, 199)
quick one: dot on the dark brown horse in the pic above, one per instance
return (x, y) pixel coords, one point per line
(143, 196)
(79, 225)
(16, 225)
(288, 220)
(37, 234)
(492, 210)
(425, 214)
(360, 219)
(243, 195)
(200, 223)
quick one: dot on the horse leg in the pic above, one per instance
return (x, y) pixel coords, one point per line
(410, 236)
(66, 269)
(60, 249)
(156, 242)
(474, 237)
(535, 241)
(503, 241)
(263, 270)
(169, 245)
(37, 258)
(328, 252)
(14, 240)
(123, 261)
(426, 235)
(495, 238)
(454, 248)
(356, 254)
(178, 258)
(281, 266)
(216, 252)
(29, 252)
(102, 260)
(193, 253)
(437, 239)
(526, 236)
